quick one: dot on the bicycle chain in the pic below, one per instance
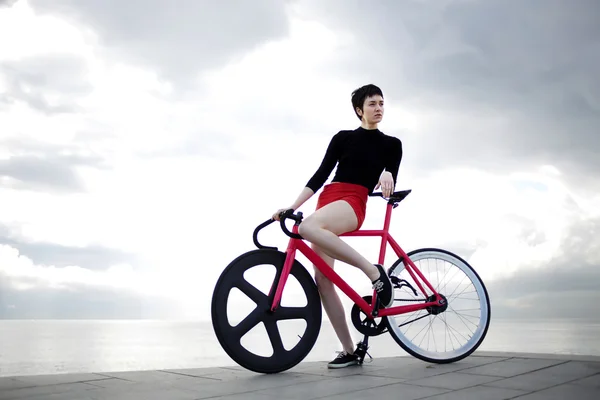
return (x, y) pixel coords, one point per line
(410, 300)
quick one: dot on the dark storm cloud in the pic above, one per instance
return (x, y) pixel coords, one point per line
(529, 68)
(51, 83)
(178, 38)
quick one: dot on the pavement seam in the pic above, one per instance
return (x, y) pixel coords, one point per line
(356, 391)
(449, 372)
(500, 378)
(318, 373)
(115, 377)
(405, 381)
(395, 383)
(295, 383)
(549, 387)
(258, 390)
(525, 373)
(57, 384)
(443, 388)
(191, 376)
(246, 392)
(533, 370)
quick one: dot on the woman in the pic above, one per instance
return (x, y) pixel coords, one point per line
(366, 159)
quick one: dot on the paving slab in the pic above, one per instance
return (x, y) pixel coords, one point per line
(549, 377)
(512, 367)
(482, 376)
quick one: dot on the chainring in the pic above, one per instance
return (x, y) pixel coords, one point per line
(364, 324)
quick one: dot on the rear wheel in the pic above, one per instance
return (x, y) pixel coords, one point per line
(240, 304)
(440, 334)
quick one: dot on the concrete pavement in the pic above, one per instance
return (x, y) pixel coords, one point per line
(482, 376)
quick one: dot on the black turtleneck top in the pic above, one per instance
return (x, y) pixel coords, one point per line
(362, 155)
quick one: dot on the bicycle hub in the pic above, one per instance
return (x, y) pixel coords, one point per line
(438, 309)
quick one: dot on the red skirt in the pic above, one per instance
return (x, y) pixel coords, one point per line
(355, 195)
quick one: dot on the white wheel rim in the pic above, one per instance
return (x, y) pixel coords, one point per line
(450, 332)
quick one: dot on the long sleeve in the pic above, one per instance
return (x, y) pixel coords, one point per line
(329, 161)
(393, 159)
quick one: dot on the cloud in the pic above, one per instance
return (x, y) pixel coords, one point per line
(47, 167)
(7, 3)
(151, 189)
(30, 290)
(48, 83)
(491, 84)
(80, 302)
(562, 287)
(36, 173)
(177, 39)
(93, 257)
(563, 290)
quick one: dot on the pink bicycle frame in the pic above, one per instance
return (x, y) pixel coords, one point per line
(295, 245)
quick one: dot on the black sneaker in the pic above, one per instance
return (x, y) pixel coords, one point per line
(383, 287)
(343, 360)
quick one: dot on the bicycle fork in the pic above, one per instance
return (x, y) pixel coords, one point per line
(280, 280)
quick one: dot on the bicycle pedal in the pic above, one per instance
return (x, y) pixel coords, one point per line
(361, 351)
(361, 357)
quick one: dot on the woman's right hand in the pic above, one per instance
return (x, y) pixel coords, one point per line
(276, 215)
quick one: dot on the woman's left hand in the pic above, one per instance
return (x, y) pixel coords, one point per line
(386, 182)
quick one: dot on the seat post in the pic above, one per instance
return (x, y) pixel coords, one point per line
(388, 216)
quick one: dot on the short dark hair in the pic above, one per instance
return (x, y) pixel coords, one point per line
(361, 94)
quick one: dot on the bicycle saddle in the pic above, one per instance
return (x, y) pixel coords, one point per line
(395, 198)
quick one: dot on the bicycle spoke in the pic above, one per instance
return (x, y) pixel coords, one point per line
(274, 336)
(454, 329)
(473, 291)
(466, 315)
(449, 330)
(284, 313)
(443, 319)
(462, 319)
(225, 308)
(460, 292)
(443, 338)
(433, 336)
(416, 319)
(252, 292)
(247, 324)
(457, 286)
(428, 326)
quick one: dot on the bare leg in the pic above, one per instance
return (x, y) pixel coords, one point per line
(323, 227)
(332, 303)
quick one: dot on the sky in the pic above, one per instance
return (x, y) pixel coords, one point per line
(142, 142)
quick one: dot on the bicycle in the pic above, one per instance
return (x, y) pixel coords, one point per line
(365, 311)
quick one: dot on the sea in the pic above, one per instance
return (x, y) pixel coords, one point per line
(34, 347)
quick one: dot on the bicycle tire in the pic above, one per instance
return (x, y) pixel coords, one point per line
(480, 333)
(281, 359)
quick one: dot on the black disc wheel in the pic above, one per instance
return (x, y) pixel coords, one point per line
(253, 336)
